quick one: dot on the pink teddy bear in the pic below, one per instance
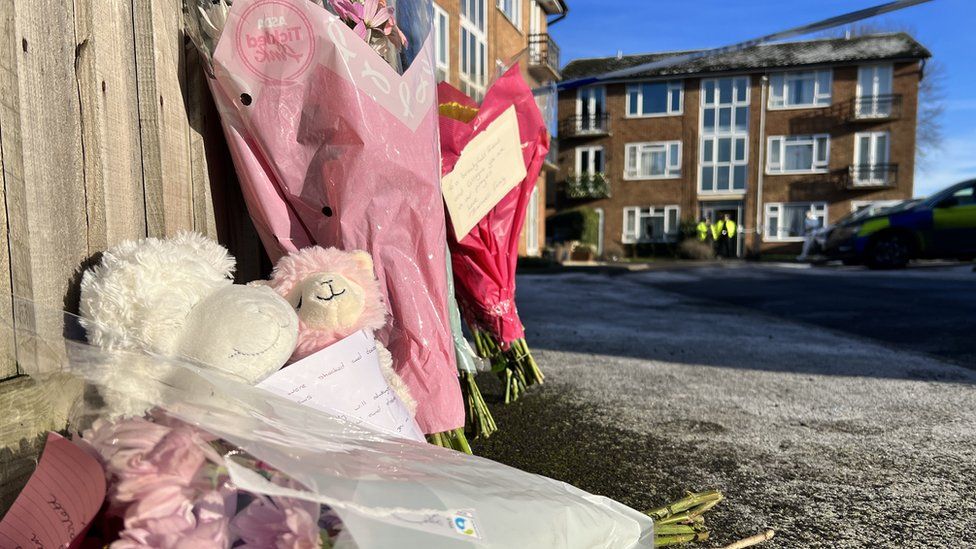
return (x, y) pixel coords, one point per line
(335, 294)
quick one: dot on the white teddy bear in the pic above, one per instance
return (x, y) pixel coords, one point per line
(176, 298)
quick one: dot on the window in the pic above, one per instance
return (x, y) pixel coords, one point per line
(784, 221)
(799, 89)
(589, 160)
(532, 224)
(654, 98)
(442, 35)
(858, 205)
(591, 108)
(798, 154)
(874, 98)
(650, 224)
(871, 158)
(725, 135)
(474, 48)
(658, 160)
(513, 10)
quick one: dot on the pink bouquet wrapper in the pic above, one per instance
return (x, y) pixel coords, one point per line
(485, 259)
(334, 147)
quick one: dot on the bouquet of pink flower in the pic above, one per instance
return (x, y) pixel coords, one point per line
(169, 485)
(329, 110)
(485, 258)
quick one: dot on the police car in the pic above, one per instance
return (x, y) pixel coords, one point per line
(941, 226)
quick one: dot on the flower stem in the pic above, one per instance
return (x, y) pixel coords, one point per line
(678, 539)
(480, 421)
(455, 440)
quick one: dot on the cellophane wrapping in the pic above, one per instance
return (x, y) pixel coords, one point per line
(485, 259)
(387, 491)
(335, 143)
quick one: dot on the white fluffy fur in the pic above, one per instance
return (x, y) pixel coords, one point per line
(140, 294)
(175, 298)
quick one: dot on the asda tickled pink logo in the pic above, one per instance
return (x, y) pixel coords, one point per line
(275, 40)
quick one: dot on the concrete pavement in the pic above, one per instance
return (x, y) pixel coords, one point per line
(832, 439)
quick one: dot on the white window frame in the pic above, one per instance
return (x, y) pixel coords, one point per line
(473, 82)
(873, 161)
(516, 16)
(877, 110)
(861, 204)
(595, 121)
(630, 235)
(780, 142)
(591, 150)
(781, 80)
(671, 170)
(775, 209)
(532, 224)
(715, 134)
(673, 86)
(442, 24)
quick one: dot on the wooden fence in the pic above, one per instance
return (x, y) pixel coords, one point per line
(107, 133)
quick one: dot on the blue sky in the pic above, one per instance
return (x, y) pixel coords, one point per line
(597, 28)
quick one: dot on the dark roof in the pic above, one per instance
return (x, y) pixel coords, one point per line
(873, 47)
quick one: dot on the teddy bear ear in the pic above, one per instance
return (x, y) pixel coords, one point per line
(207, 250)
(363, 260)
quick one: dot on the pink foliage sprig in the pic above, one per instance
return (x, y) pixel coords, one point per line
(369, 18)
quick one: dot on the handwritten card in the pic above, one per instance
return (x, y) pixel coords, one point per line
(345, 379)
(60, 500)
(490, 166)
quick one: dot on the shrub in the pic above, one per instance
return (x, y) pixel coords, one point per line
(581, 224)
(692, 248)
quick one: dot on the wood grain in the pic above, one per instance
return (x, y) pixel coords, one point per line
(163, 115)
(110, 122)
(40, 133)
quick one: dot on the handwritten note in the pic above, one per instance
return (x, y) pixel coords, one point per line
(490, 166)
(59, 502)
(345, 379)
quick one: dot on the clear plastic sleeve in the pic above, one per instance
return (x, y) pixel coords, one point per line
(389, 492)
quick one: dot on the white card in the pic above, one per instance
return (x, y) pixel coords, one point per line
(489, 167)
(345, 379)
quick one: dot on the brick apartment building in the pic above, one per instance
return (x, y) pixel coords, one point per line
(762, 134)
(475, 39)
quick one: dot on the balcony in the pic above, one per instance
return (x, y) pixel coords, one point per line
(872, 176)
(543, 57)
(588, 186)
(585, 125)
(873, 108)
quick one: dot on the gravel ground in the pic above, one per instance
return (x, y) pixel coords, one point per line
(832, 440)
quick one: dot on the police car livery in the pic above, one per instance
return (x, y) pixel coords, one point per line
(941, 226)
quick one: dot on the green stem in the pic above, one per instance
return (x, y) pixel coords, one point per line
(480, 421)
(678, 539)
(686, 503)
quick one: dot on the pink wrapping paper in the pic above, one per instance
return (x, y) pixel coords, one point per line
(333, 147)
(485, 259)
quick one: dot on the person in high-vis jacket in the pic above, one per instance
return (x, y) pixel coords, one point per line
(724, 233)
(704, 229)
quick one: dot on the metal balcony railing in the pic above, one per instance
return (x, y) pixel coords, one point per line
(588, 185)
(543, 57)
(584, 125)
(876, 107)
(872, 175)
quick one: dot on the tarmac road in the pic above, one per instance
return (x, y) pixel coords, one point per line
(840, 436)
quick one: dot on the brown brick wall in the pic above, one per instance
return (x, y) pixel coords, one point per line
(829, 188)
